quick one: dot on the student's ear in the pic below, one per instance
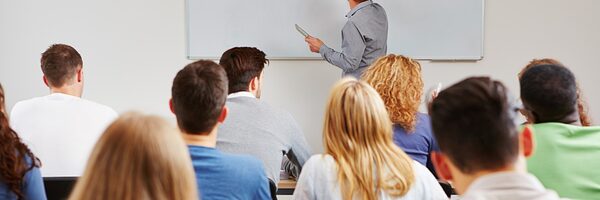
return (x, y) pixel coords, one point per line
(254, 84)
(223, 114)
(441, 166)
(527, 141)
(528, 115)
(80, 75)
(171, 106)
(45, 81)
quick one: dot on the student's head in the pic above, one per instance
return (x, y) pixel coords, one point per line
(581, 105)
(358, 135)
(198, 97)
(138, 157)
(536, 62)
(244, 67)
(473, 123)
(62, 67)
(398, 80)
(549, 94)
(12, 155)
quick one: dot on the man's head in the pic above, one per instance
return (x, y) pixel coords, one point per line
(549, 94)
(198, 97)
(244, 67)
(62, 66)
(474, 125)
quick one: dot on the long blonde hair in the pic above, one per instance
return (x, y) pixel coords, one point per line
(398, 80)
(358, 135)
(138, 157)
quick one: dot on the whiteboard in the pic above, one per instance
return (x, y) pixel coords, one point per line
(422, 29)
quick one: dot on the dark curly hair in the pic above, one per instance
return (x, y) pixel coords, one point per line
(14, 154)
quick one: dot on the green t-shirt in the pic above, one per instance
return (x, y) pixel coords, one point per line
(566, 159)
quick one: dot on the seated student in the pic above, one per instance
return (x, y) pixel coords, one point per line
(398, 81)
(138, 157)
(566, 154)
(361, 161)
(61, 128)
(581, 105)
(20, 176)
(482, 152)
(198, 101)
(254, 127)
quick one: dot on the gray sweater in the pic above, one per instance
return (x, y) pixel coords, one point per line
(253, 127)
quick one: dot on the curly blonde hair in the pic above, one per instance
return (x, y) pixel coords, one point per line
(582, 106)
(398, 81)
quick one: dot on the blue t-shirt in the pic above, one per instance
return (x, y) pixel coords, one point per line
(418, 144)
(228, 176)
(33, 186)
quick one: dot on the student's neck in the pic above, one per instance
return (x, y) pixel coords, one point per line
(68, 90)
(201, 139)
(353, 4)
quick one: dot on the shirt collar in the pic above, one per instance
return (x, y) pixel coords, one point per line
(505, 180)
(62, 96)
(240, 94)
(358, 7)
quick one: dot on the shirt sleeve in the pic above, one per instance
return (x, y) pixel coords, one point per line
(353, 47)
(34, 185)
(304, 186)
(299, 151)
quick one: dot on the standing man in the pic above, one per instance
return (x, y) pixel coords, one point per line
(364, 39)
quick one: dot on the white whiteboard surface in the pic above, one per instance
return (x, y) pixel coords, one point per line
(422, 29)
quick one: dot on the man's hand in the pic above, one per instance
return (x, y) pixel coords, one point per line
(314, 43)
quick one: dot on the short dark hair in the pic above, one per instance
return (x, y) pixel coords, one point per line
(473, 123)
(549, 92)
(60, 63)
(198, 95)
(242, 64)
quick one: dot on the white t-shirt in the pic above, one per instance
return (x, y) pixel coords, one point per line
(318, 180)
(61, 130)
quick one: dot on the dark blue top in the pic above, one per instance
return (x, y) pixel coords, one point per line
(418, 144)
(33, 186)
(228, 176)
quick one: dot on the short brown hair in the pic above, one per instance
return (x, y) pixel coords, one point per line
(473, 122)
(60, 63)
(199, 92)
(242, 64)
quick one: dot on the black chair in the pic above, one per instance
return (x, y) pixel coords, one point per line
(273, 188)
(59, 188)
(448, 189)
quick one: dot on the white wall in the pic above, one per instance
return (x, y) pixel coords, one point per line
(133, 48)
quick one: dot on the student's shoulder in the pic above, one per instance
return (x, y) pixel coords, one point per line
(27, 103)
(426, 182)
(319, 161)
(98, 107)
(563, 129)
(24, 106)
(249, 162)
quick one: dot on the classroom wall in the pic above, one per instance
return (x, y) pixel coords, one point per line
(132, 50)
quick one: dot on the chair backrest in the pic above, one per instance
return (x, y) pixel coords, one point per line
(273, 188)
(59, 187)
